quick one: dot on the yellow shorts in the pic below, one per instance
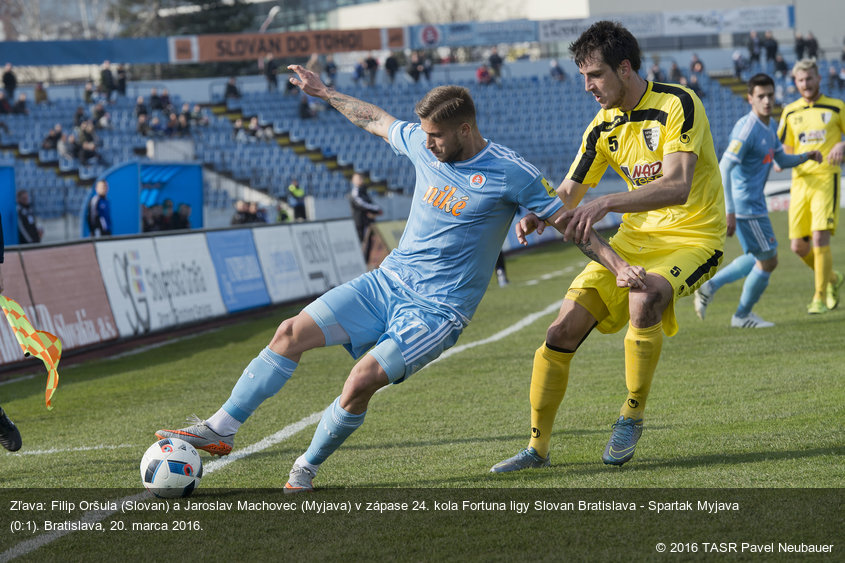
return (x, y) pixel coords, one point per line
(685, 268)
(813, 205)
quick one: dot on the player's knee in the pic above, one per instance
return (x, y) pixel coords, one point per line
(563, 335)
(362, 383)
(769, 264)
(799, 246)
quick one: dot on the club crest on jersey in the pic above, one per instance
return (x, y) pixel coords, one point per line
(643, 173)
(477, 180)
(826, 115)
(652, 137)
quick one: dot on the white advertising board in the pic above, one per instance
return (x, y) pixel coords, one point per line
(278, 258)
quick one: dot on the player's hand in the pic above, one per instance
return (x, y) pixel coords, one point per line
(631, 276)
(815, 155)
(307, 81)
(731, 221)
(527, 225)
(836, 155)
(579, 221)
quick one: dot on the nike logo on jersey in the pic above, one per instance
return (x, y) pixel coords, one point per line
(445, 200)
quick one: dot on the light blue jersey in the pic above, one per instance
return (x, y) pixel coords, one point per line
(459, 217)
(753, 147)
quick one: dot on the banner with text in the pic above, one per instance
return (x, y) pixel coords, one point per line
(158, 283)
(275, 249)
(238, 270)
(248, 46)
(463, 34)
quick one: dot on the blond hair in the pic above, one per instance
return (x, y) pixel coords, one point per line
(805, 64)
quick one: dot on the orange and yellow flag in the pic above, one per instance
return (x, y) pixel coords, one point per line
(38, 343)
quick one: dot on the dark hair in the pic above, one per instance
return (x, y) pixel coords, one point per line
(447, 103)
(759, 79)
(612, 40)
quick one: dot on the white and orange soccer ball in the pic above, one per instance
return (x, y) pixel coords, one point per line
(171, 468)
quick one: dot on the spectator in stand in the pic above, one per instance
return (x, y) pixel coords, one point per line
(238, 131)
(79, 116)
(358, 72)
(812, 46)
(241, 216)
(100, 117)
(833, 80)
(99, 213)
(182, 220)
(122, 77)
(371, 66)
(88, 93)
(232, 90)
(755, 49)
(198, 118)
(330, 70)
(68, 147)
(693, 85)
(155, 100)
(415, 67)
(140, 106)
(40, 94)
(675, 73)
(800, 46)
(296, 198)
(696, 65)
(107, 85)
(29, 230)
(142, 127)
(740, 63)
(168, 214)
(51, 141)
(20, 105)
(256, 130)
(271, 73)
(88, 141)
(166, 102)
(556, 71)
(184, 129)
(256, 213)
(770, 46)
(5, 106)
(427, 66)
(364, 212)
(186, 110)
(147, 221)
(655, 73)
(781, 68)
(482, 75)
(156, 127)
(10, 81)
(495, 62)
(171, 127)
(391, 66)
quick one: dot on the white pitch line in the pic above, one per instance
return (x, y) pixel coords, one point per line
(78, 449)
(37, 542)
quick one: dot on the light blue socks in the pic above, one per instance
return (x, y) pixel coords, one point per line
(736, 270)
(261, 379)
(335, 427)
(754, 286)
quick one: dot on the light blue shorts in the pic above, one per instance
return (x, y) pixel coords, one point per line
(757, 237)
(407, 331)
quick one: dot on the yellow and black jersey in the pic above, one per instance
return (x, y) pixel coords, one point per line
(667, 119)
(813, 126)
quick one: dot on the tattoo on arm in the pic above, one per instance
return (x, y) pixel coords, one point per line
(358, 112)
(587, 248)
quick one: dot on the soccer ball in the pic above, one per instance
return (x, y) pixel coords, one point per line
(171, 468)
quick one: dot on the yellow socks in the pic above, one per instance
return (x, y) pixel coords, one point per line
(810, 260)
(642, 351)
(548, 385)
(823, 268)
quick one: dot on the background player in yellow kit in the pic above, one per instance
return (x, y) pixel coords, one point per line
(657, 137)
(815, 122)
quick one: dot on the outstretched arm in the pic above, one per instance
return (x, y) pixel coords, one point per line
(368, 117)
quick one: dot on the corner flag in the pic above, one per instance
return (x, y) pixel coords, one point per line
(33, 342)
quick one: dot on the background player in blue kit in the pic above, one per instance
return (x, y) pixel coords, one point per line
(414, 306)
(745, 168)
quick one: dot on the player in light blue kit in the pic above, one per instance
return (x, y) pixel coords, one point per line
(405, 314)
(745, 168)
